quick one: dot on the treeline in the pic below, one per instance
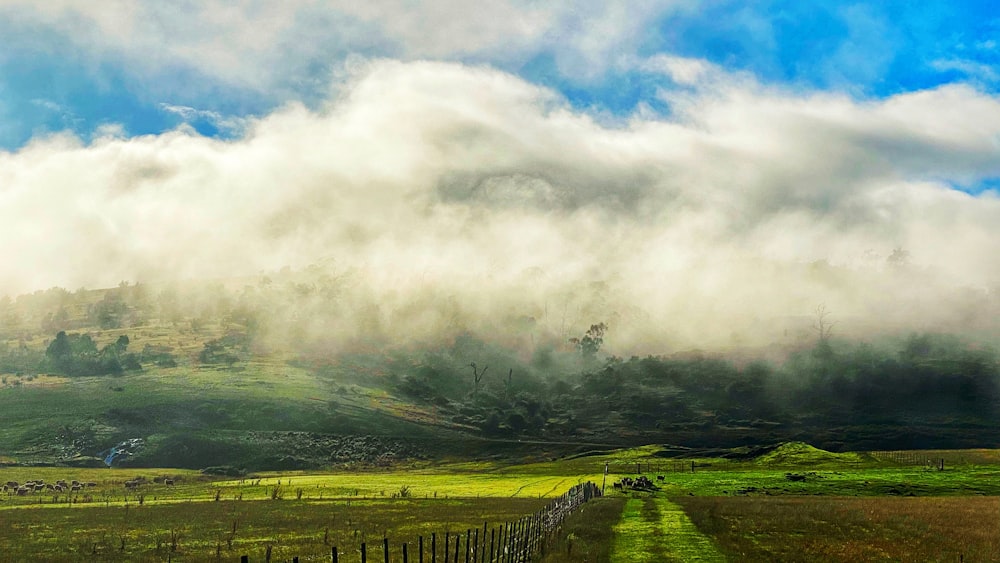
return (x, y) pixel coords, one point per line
(933, 379)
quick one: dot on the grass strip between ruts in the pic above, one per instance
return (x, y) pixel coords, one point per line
(655, 529)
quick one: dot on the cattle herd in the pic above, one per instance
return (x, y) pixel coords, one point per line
(13, 488)
(39, 485)
(640, 483)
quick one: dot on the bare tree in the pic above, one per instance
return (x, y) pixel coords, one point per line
(823, 326)
(477, 376)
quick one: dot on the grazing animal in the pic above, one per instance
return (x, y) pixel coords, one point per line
(90, 484)
(618, 485)
(22, 491)
(168, 481)
(660, 478)
(76, 487)
(12, 484)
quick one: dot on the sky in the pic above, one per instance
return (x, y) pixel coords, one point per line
(672, 166)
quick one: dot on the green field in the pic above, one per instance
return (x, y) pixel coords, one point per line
(798, 504)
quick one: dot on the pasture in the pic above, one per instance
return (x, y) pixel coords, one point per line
(794, 503)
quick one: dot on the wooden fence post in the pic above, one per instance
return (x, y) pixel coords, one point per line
(493, 535)
(468, 535)
(420, 550)
(406, 558)
(434, 549)
(244, 559)
(364, 553)
(458, 541)
(385, 550)
(447, 545)
(482, 558)
(333, 555)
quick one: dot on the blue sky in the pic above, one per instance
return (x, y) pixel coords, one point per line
(55, 76)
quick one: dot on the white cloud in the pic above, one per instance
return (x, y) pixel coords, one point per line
(230, 125)
(448, 184)
(281, 48)
(975, 71)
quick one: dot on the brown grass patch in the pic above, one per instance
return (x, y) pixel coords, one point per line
(586, 535)
(850, 529)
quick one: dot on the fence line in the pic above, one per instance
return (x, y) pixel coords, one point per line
(907, 457)
(510, 542)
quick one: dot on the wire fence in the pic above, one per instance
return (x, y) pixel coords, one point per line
(509, 542)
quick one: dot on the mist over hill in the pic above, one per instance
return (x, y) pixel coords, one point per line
(282, 370)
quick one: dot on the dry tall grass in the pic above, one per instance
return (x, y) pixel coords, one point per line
(831, 529)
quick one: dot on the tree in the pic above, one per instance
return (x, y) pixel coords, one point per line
(823, 328)
(592, 340)
(900, 258)
(109, 312)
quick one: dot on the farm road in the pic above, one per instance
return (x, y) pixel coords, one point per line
(655, 529)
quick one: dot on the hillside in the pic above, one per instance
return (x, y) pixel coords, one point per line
(255, 374)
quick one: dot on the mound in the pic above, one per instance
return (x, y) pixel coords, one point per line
(801, 453)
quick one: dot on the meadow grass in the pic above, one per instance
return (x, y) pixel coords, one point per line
(751, 511)
(206, 531)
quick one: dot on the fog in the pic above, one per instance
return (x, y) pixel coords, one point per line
(443, 197)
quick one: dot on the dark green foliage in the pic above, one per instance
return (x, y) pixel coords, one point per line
(224, 470)
(229, 349)
(592, 340)
(161, 356)
(110, 312)
(77, 355)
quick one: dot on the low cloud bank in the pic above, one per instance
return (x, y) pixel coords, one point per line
(447, 197)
